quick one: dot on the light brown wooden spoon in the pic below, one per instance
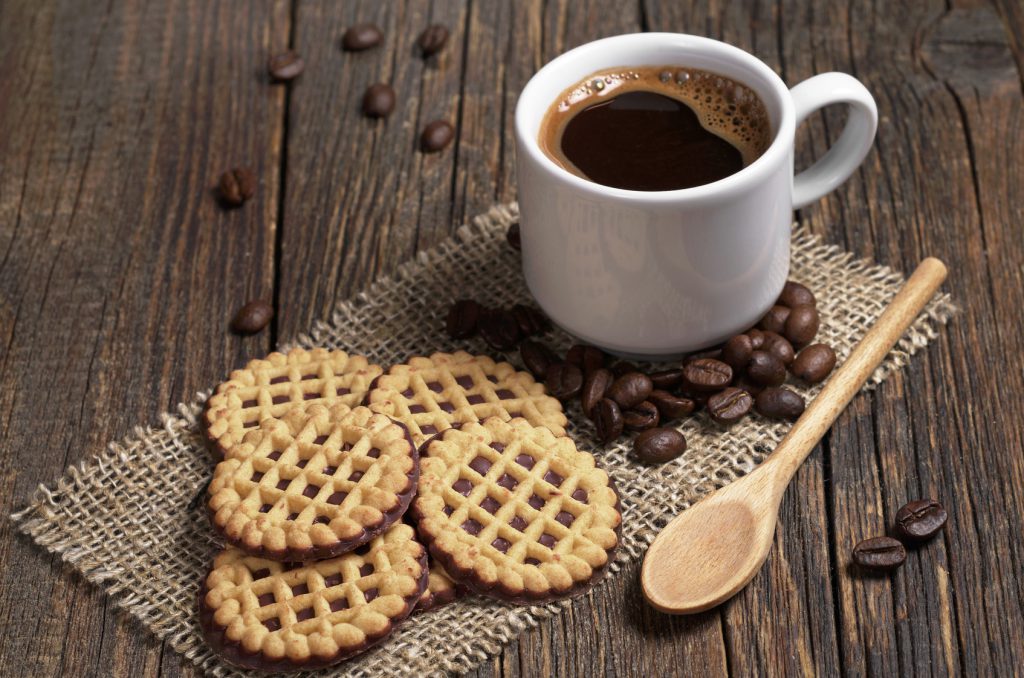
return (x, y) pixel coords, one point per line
(713, 549)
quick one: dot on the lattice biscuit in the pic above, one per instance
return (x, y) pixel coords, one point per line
(314, 484)
(273, 386)
(273, 616)
(514, 512)
(440, 589)
(433, 394)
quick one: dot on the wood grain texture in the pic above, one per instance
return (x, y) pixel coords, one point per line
(118, 273)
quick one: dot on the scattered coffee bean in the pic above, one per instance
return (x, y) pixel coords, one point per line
(666, 379)
(379, 101)
(879, 553)
(658, 445)
(778, 346)
(499, 329)
(779, 403)
(750, 387)
(765, 369)
(363, 36)
(814, 363)
(713, 353)
(563, 380)
(630, 389)
(775, 319)
(671, 406)
(587, 358)
(463, 319)
(920, 520)
(513, 237)
(756, 338)
(623, 367)
(594, 389)
(531, 321)
(432, 40)
(252, 317)
(536, 357)
(642, 417)
(285, 66)
(729, 405)
(736, 352)
(707, 374)
(794, 294)
(607, 420)
(801, 325)
(236, 186)
(436, 136)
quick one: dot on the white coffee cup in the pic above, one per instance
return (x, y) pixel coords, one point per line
(654, 274)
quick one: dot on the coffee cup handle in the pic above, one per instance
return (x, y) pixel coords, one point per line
(848, 152)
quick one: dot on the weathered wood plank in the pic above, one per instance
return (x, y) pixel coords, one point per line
(118, 271)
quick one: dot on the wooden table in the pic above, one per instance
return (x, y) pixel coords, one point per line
(119, 272)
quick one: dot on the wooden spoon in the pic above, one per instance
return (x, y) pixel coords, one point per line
(712, 550)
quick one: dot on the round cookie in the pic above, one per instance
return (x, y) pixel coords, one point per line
(273, 386)
(433, 394)
(315, 484)
(273, 616)
(440, 590)
(514, 512)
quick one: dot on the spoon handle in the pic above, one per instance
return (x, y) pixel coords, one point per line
(857, 369)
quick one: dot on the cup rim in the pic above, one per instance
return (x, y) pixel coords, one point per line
(752, 173)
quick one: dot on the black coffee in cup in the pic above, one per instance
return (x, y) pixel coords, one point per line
(655, 128)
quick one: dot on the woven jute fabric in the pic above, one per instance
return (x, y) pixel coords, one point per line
(131, 518)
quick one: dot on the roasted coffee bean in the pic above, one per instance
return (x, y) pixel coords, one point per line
(623, 367)
(563, 380)
(252, 317)
(588, 358)
(775, 319)
(920, 520)
(737, 351)
(379, 101)
(671, 406)
(285, 66)
(642, 417)
(463, 319)
(436, 135)
(801, 325)
(779, 403)
(499, 329)
(730, 405)
(536, 357)
(666, 379)
(512, 236)
(765, 369)
(363, 36)
(712, 353)
(236, 186)
(879, 553)
(699, 398)
(594, 389)
(750, 387)
(630, 389)
(707, 374)
(432, 39)
(607, 420)
(814, 363)
(658, 445)
(531, 321)
(756, 337)
(778, 346)
(794, 294)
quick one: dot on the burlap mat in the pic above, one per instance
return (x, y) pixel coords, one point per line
(123, 518)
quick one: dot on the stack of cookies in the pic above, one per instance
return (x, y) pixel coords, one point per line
(351, 498)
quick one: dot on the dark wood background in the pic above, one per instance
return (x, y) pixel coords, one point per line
(119, 272)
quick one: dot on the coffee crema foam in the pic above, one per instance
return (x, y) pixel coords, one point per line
(723, 106)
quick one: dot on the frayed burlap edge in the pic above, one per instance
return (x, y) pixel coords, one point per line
(142, 545)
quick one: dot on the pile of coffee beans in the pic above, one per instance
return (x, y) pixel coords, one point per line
(916, 522)
(746, 373)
